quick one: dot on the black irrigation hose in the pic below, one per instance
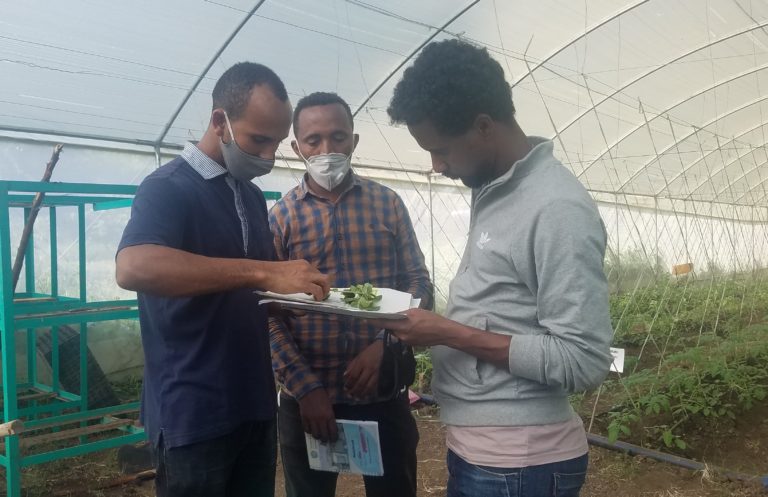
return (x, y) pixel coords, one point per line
(635, 450)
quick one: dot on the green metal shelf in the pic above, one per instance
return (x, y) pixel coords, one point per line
(50, 433)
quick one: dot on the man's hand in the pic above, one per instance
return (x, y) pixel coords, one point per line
(317, 415)
(419, 328)
(361, 379)
(297, 276)
(426, 328)
(170, 272)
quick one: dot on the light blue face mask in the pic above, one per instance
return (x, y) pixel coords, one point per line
(242, 165)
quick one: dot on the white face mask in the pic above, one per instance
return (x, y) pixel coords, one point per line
(328, 170)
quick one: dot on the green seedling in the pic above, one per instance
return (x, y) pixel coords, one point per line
(363, 297)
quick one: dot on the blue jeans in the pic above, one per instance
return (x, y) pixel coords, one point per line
(239, 464)
(560, 479)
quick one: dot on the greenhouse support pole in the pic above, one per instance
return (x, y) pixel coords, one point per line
(411, 55)
(711, 241)
(618, 245)
(656, 227)
(763, 229)
(205, 70)
(752, 241)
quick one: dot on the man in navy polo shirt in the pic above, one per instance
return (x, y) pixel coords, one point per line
(197, 244)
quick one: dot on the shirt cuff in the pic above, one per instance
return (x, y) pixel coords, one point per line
(304, 390)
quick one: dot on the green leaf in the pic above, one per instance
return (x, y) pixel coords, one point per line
(625, 430)
(667, 437)
(613, 433)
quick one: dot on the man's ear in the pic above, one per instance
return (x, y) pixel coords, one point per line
(219, 123)
(355, 139)
(484, 125)
(295, 147)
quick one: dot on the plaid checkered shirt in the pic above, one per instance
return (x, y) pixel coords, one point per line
(365, 236)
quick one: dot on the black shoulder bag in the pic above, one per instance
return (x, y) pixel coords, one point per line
(398, 367)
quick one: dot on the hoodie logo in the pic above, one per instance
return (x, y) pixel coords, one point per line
(483, 240)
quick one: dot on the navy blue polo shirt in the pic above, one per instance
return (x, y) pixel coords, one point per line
(207, 360)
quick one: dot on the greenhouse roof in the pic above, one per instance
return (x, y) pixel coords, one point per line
(644, 99)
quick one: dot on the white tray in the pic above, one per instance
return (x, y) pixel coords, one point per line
(391, 305)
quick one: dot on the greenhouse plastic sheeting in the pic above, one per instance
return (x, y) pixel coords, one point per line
(644, 99)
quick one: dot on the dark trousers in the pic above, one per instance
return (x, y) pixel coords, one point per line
(238, 464)
(399, 438)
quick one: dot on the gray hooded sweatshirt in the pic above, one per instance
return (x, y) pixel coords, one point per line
(532, 269)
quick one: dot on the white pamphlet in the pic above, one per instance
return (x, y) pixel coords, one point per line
(357, 450)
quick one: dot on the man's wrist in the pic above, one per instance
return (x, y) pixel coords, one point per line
(456, 335)
(308, 390)
(257, 275)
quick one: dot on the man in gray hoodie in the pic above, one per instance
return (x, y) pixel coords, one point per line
(527, 320)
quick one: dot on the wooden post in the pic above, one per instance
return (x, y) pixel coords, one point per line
(30, 221)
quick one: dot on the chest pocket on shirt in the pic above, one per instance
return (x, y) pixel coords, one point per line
(380, 233)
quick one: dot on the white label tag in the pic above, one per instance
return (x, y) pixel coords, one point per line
(618, 360)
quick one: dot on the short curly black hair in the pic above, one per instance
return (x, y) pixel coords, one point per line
(233, 89)
(320, 98)
(449, 84)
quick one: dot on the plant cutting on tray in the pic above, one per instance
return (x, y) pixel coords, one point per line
(362, 300)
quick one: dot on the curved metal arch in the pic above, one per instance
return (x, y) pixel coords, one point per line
(703, 157)
(52, 133)
(410, 55)
(753, 188)
(726, 166)
(652, 71)
(679, 141)
(733, 182)
(207, 68)
(576, 40)
(665, 111)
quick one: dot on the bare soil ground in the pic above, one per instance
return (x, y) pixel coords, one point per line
(743, 448)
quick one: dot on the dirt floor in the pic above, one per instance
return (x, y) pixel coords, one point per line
(611, 474)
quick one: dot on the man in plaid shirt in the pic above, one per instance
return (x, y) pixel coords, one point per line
(356, 231)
